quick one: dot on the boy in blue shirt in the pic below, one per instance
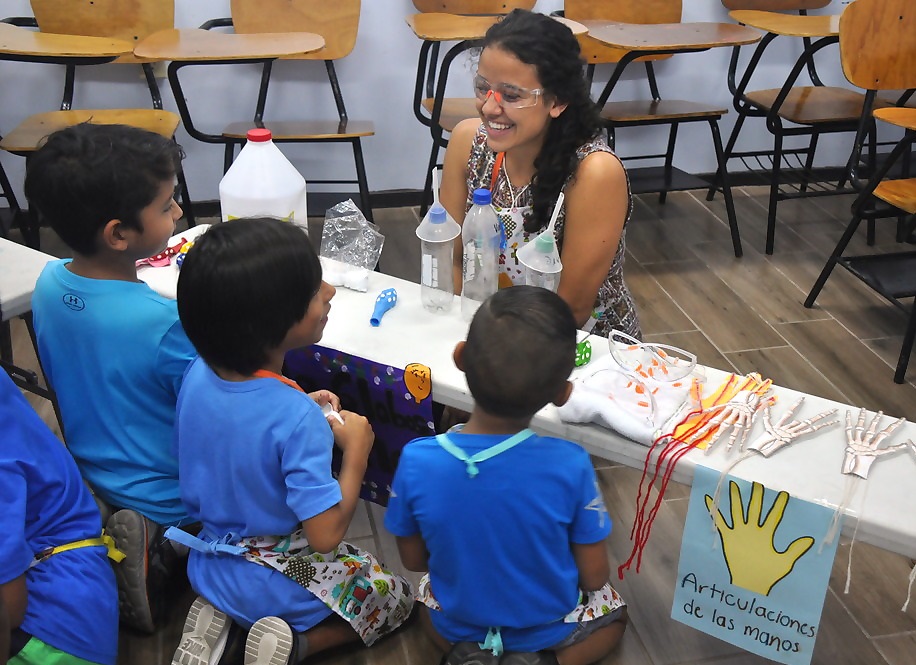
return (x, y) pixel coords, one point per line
(61, 603)
(112, 348)
(510, 525)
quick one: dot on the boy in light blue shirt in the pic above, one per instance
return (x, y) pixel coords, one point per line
(113, 350)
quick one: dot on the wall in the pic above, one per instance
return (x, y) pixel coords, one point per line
(377, 81)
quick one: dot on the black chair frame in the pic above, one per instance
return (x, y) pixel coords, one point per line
(231, 143)
(432, 78)
(864, 128)
(29, 224)
(672, 181)
(892, 275)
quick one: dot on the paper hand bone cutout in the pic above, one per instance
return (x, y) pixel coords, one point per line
(738, 413)
(784, 431)
(862, 442)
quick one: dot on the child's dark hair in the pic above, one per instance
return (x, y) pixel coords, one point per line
(84, 176)
(521, 348)
(242, 286)
(553, 50)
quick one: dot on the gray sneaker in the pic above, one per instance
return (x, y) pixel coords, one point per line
(270, 641)
(204, 635)
(134, 535)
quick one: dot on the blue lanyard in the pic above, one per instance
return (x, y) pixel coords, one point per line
(483, 455)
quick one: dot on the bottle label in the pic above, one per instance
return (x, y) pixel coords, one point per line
(469, 262)
(429, 271)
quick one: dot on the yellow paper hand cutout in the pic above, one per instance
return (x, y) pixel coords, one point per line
(748, 544)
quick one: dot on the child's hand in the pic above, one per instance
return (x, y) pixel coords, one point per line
(354, 435)
(323, 397)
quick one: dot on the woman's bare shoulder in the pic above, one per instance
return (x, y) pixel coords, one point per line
(600, 166)
(465, 131)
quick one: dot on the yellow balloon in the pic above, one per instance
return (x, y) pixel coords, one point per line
(416, 377)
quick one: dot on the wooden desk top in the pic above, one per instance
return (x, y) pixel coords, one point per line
(15, 40)
(670, 36)
(438, 27)
(790, 25)
(902, 117)
(195, 45)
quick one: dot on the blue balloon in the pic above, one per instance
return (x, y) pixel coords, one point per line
(385, 301)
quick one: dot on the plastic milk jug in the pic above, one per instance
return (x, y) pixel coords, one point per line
(480, 238)
(437, 232)
(263, 182)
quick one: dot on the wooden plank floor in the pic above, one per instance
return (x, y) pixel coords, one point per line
(736, 314)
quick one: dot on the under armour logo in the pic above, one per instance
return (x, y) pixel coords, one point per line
(74, 302)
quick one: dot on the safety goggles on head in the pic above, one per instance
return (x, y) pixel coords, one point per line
(658, 362)
(507, 96)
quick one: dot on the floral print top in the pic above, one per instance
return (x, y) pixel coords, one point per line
(614, 307)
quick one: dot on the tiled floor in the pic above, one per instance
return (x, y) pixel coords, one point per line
(736, 314)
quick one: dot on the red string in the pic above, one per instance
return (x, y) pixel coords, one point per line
(677, 448)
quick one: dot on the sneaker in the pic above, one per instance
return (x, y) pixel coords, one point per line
(270, 642)
(469, 653)
(144, 570)
(204, 635)
(131, 535)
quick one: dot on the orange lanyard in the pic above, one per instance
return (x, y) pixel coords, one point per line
(496, 166)
(265, 374)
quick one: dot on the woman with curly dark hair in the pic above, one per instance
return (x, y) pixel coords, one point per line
(541, 134)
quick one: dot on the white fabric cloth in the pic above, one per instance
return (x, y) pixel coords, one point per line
(607, 396)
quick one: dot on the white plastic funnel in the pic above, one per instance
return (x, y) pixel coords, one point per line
(438, 226)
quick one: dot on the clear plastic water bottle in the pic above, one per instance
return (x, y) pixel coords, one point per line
(480, 261)
(262, 181)
(437, 232)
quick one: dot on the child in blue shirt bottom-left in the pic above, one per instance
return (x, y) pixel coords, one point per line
(62, 606)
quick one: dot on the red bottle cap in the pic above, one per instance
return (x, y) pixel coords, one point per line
(259, 135)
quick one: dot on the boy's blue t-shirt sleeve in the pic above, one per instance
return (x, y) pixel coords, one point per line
(399, 520)
(591, 523)
(175, 354)
(15, 553)
(306, 465)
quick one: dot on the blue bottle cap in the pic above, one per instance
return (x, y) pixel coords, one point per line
(482, 197)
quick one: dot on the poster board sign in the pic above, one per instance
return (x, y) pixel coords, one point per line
(397, 402)
(756, 578)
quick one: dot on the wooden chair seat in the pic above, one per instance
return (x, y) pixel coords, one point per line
(648, 111)
(305, 130)
(899, 193)
(812, 105)
(29, 134)
(454, 110)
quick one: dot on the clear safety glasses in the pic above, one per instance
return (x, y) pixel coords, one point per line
(658, 362)
(507, 96)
